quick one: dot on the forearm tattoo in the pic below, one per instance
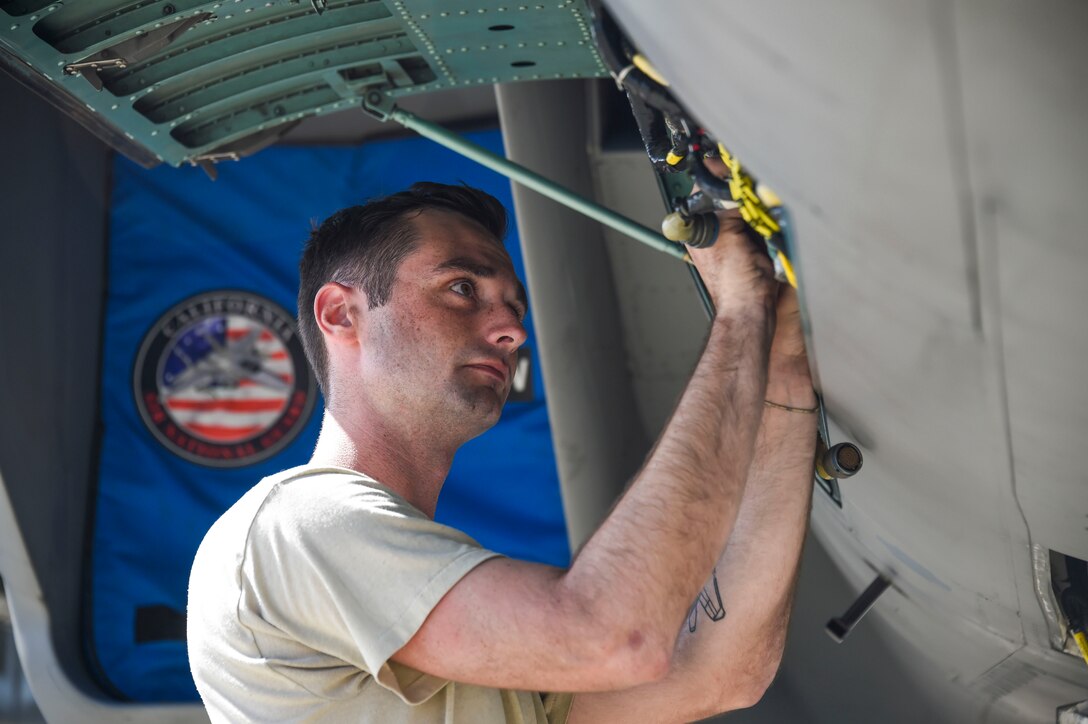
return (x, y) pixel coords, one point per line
(710, 600)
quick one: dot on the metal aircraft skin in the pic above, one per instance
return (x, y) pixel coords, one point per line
(932, 156)
(932, 159)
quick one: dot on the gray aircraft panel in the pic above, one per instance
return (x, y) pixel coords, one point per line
(928, 327)
(664, 324)
(1026, 107)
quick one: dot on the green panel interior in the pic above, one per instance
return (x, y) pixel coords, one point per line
(189, 80)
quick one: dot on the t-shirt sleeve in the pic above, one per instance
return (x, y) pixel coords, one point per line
(557, 706)
(346, 567)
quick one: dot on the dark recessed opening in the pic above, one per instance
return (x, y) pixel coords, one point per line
(849, 459)
(361, 72)
(497, 28)
(523, 63)
(417, 69)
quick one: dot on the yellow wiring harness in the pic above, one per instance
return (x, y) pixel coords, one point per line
(642, 63)
(753, 208)
(752, 201)
(1082, 643)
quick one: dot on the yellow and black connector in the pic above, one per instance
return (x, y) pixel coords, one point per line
(693, 221)
(1073, 600)
(675, 143)
(677, 147)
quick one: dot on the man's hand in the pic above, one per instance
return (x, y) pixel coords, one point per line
(736, 268)
(789, 337)
(737, 271)
(788, 379)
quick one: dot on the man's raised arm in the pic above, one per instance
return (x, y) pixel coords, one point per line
(730, 647)
(611, 621)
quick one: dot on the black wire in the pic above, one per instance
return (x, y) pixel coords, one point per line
(654, 132)
(704, 293)
(708, 182)
(700, 285)
(609, 40)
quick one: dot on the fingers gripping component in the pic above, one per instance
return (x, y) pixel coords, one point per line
(693, 221)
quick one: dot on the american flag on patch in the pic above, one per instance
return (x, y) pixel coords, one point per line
(226, 379)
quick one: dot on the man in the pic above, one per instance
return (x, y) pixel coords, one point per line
(327, 593)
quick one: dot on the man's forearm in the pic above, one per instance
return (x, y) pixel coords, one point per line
(729, 646)
(756, 573)
(647, 561)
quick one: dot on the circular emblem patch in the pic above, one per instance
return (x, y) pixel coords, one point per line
(221, 379)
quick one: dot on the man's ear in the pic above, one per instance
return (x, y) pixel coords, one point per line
(337, 313)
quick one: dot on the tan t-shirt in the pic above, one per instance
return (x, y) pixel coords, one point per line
(302, 591)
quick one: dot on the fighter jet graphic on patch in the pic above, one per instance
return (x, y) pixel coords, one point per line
(221, 379)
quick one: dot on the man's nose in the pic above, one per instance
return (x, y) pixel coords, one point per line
(505, 328)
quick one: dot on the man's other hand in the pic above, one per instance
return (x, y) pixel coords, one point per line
(789, 337)
(788, 378)
(737, 270)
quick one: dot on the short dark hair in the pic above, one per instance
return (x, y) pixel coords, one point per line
(363, 246)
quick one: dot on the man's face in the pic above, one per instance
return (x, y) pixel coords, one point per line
(444, 347)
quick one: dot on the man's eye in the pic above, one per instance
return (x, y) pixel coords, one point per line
(464, 288)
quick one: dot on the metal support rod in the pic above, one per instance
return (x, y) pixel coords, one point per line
(840, 627)
(537, 183)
